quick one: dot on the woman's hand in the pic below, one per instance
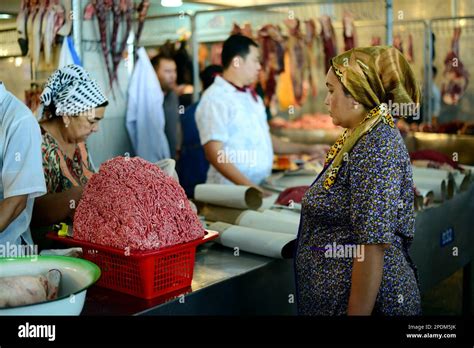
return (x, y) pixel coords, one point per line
(366, 278)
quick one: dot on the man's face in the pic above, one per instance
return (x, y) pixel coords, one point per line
(167, 74)
(249, 67)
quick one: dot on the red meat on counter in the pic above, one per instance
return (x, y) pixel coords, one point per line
(131, 204)
(292, 195)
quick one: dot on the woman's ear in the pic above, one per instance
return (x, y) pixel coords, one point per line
(67, 121)
(355, 104)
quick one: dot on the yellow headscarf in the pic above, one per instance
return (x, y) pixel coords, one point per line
(381, 79)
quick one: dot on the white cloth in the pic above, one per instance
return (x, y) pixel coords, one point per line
(72, 91)
(238, 121)
(145, 118)
(20, 163)
(435, 100)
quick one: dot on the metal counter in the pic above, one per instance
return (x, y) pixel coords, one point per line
(223, 284)
(249, 284)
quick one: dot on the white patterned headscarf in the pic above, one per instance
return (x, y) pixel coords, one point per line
(71, 91)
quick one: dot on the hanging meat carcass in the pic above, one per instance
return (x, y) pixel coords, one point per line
(126, 11)
(216, 54)
(21, 26)
(246, 30)
(184, 65)
(37, 31)
(122, 13)
(101, 9)
(348, 31)
(310, 55)
(117, 14)
(285, 94)
(89, 11)
(120, 9)
(236, 30)
(455, 75)
(53, 20)
(295, 46)
(376, 41)
(271, 44)
(142, 11)
(398, 42)
(329, 40)
(409, 53)
(34, 8)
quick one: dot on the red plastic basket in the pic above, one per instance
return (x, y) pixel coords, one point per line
(146, 274)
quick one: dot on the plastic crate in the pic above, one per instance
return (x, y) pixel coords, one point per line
(146, 274)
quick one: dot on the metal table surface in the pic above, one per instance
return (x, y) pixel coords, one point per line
(223, 283)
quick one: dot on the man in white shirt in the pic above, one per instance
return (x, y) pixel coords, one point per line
(21, 170)
(233, 124)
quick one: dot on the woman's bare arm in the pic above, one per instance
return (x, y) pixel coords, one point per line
(366, 280)
(10, 208)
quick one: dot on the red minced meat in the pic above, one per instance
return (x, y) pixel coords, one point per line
(132, 204)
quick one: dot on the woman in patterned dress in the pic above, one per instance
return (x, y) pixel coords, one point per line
(72, 104)
(357, 219)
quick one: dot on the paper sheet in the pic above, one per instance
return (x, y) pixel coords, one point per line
(231, 196)
(427, 197)
(434, 184)
(290, 215)
(271, 244)
(281, 181)
(275, 223)
(216, 213)
(456, 181)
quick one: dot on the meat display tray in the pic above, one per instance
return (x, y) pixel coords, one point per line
(144, 274)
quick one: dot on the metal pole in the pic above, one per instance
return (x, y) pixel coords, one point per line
(389, 24)
(77, 27)
(429, 74)
(454, 8)
(195, 49)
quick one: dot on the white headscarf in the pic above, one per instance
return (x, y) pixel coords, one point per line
(72, 92)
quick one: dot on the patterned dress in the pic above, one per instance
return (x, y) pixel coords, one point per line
(61, 172)
(370, 202)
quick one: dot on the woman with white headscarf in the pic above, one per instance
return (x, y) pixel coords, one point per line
(72, 104)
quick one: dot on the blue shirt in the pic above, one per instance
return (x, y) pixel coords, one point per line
(192, 165)
(20, 163)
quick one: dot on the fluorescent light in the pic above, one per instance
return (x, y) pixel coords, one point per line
(5, 16)
(171, 3)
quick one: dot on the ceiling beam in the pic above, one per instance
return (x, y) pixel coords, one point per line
(209, 2)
